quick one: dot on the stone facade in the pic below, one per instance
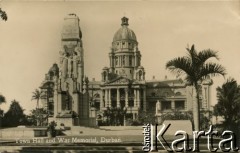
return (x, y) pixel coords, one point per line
(123, 83)
(70, 98)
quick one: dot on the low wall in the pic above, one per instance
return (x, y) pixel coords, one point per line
(88, 122)
(69, 122)
(121, 127)
(23, 132)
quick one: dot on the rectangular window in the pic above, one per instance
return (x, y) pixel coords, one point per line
(166, 105)
(180, 105)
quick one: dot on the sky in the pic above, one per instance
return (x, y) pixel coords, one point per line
(30, 40)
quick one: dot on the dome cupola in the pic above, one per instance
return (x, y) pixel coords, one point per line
(124, 33)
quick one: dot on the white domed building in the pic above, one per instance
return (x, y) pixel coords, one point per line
(123, 83)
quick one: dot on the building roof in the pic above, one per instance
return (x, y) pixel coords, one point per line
(165, 83)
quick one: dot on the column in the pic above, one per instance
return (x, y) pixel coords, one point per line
(101, 99)
(118, 97)
(138, 98)
(55, 103)
(135, 98)
(110, 99)
(106, 98)
(185, 105)
(120, 61)
(173, 104)
(134, 116)
(144, 100)
(126, 97)
(135, 59)
(111, 61)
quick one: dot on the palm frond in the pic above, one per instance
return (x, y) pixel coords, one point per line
(180, 65)
(204, 55)
(37, 94)
(212, 69)
(192, 54)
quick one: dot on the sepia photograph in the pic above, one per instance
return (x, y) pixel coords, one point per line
(119, 76)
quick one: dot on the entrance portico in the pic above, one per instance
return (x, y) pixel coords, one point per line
(124, 96)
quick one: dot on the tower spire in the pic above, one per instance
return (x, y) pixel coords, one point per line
(124, 21)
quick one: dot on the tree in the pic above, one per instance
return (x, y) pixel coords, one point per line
(195, 67)
(15, 115)
(37, 94)
(228, 106)
(115, 116)
(3, 15)
(177, 115)
(2, 100)
(38, 117)
(144, 118)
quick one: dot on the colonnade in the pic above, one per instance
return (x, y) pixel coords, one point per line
(106, 99)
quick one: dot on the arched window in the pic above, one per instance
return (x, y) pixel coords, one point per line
(178, 94)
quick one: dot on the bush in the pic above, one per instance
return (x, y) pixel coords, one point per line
(51, 130)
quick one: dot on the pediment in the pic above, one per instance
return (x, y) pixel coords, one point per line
(120, 80)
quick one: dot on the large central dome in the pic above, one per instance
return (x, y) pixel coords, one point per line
(124, 33)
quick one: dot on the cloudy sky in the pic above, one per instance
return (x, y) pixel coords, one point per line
(30, 39)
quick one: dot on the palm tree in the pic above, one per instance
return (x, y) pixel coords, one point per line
(37, 94)
(195, 68)
(228, 97)
(228, 105)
